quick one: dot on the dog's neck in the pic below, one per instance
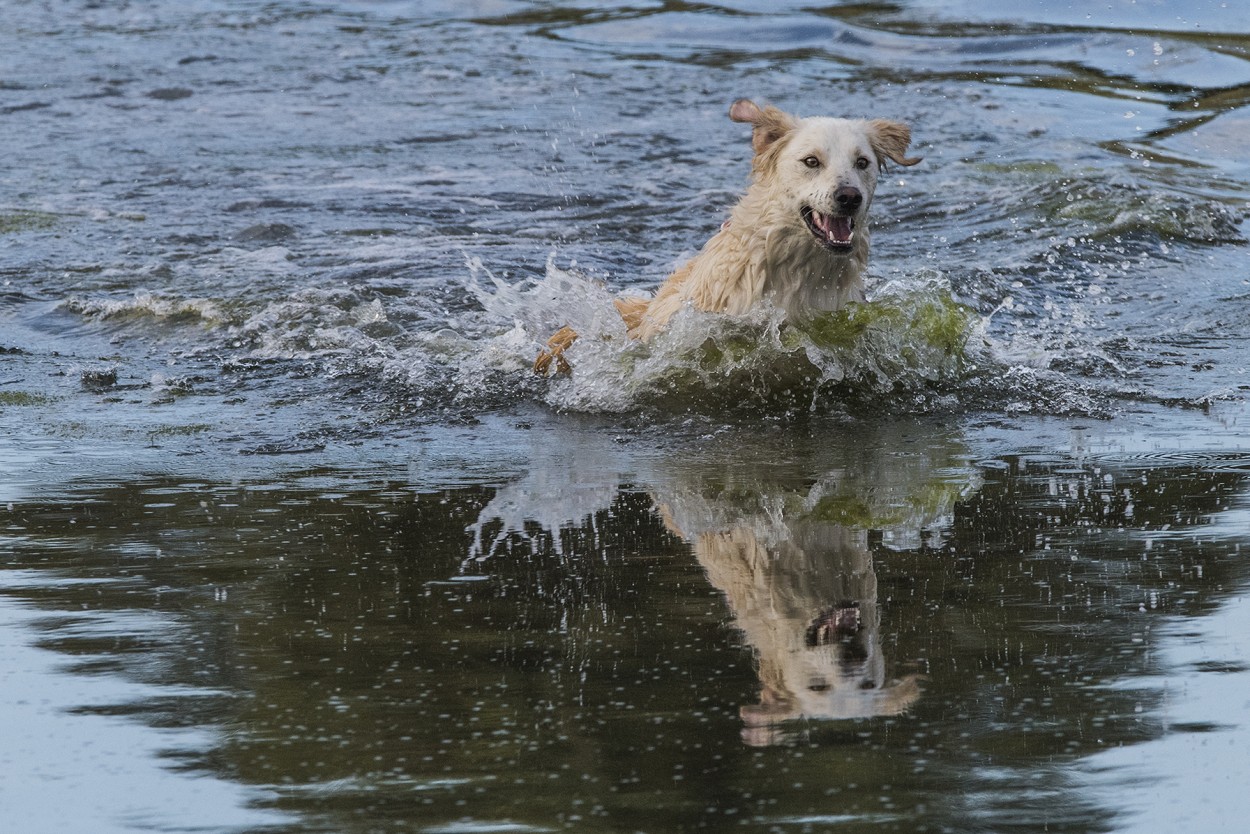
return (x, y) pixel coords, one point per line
(812, 279)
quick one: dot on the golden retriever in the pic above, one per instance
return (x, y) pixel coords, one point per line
(799, 236)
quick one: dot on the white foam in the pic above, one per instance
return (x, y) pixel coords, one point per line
(150, 305)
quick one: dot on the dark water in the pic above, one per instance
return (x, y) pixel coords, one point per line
(291, 541)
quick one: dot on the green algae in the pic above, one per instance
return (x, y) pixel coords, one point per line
(24, 220)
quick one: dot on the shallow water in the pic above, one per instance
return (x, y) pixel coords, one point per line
(293, 541)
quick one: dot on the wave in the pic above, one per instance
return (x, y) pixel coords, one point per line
(150, 306)
(1109, 209)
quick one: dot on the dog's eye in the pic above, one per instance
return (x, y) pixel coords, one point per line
(862, 163)
(811, 162)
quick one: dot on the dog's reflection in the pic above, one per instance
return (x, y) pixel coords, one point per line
(782, 534)
(804, 594)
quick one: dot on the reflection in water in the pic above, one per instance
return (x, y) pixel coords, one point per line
(71, 760)
(803, 591)
(343, 662)
(807, 604)
(788, 550)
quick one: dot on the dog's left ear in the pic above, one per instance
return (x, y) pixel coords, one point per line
(890, 140)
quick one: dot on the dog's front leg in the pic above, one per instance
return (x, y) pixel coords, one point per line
(559, 342)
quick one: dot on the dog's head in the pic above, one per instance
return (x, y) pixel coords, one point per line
(822, 172)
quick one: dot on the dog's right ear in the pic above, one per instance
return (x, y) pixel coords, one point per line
(769, 123)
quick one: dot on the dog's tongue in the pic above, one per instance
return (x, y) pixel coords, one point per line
(836, 229)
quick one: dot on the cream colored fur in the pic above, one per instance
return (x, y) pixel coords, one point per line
(767, 250)
(778, 576)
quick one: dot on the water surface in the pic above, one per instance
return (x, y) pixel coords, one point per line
(292, 541)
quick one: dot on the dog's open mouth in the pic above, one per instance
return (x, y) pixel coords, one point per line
(839, 623)
(833, 231)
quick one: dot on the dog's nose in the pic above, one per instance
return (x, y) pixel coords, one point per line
(848, 199)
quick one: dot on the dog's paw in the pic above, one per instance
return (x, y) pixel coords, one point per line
(545, 359)
(554, 353)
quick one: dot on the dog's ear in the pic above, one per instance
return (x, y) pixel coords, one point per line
(769, 124)
(890, 140)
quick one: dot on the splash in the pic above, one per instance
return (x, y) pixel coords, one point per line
(316, 323)
(912, 348)
(911, 336)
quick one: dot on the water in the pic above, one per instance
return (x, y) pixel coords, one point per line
(292, 540)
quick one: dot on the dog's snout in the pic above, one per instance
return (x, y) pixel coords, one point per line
(848, 199)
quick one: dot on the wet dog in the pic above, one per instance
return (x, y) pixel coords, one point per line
(798, 237)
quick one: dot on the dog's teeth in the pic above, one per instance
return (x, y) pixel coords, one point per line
(836, 230)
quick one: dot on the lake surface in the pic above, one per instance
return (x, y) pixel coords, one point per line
(292, 540)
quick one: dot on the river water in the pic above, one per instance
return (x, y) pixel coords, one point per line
(291, 540)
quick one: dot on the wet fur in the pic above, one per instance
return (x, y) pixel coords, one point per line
(766, 250)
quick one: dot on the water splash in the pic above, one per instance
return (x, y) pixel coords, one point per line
(912, 336)
(315, 323)
(913, 347)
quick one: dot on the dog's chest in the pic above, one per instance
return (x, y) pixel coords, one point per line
(805, 282)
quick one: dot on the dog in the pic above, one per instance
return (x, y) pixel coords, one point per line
(799, 236)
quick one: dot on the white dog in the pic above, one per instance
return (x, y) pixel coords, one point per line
(799, 236)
